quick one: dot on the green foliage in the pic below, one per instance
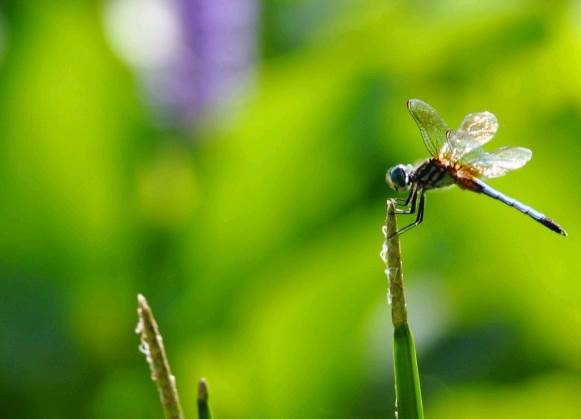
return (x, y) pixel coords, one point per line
(260, 251)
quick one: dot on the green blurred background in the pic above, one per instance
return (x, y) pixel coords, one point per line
(254, 228)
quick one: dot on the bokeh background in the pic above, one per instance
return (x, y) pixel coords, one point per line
(226, 158)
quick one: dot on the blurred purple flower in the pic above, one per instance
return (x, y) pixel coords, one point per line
(195, 57)
(220, 38)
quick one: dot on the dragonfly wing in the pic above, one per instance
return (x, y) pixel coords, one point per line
(499, 162)
(431, 125)
(476, 130)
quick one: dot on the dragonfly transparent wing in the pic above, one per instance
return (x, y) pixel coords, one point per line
(431, 125)
(497, 163)
(476, 130)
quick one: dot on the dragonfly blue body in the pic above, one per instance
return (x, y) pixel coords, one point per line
(511, 202)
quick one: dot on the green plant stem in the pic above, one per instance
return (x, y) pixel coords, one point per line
(204, 411)
(407, 380)
(399, 315)
(152, 347)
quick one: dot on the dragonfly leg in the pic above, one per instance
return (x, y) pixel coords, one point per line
(405, 202)
(419, 218)
(413, 198)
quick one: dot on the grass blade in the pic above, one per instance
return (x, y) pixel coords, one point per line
(408, 393)
(407, 379)
(204, 411)
(152, 347)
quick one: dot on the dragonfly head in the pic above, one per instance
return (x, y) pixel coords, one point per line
(398, 177)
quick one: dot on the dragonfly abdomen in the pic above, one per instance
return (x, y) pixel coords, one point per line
(525, 209)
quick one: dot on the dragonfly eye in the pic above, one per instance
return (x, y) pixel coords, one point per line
(397, 177)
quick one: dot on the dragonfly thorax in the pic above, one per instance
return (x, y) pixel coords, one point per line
(434, 174)
(399, 177)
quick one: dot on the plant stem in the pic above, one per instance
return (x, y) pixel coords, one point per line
(152, 347)
(204, 411)
(407, 380)
(399, 315)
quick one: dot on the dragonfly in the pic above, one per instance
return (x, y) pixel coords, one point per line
(457, 158)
